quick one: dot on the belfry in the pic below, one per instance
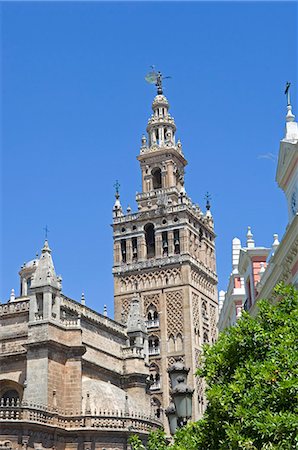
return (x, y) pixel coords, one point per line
(164, 254)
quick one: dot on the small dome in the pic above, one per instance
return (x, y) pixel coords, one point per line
(160, 100)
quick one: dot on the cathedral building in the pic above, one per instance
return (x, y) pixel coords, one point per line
(70, 378)
(74, 379)
(165, 255)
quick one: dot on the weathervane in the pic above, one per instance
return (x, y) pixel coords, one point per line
(208, 198)
(117, 186)
(156, 78)
(46, 230)
(287, 93)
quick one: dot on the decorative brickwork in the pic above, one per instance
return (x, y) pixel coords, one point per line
(174, 301)
(151, 280)
(151, 300)
(213, 322)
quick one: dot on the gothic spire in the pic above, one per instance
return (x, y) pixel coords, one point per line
(45, 274)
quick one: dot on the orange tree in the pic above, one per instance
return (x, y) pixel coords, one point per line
(252, 378)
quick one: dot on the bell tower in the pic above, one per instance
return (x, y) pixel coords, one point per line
(165, 254)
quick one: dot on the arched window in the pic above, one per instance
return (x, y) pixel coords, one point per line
(205, 337)
(152, 317)
(156, 408)
(10, 392)
(150, 239)
(154, 348)
(179, 343)
(171, 344)
(156, 178)
(154, 377)
(204, 310)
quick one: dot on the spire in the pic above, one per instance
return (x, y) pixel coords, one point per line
(250, 243)
(291, 125)
(135, 321)
(117, 208)
(45, 274)
(208, 205)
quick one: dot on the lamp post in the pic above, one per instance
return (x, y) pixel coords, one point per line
(180, 410)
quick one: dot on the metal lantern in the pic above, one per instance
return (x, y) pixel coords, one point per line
(177, 370)
(182, 396)
(172, 417)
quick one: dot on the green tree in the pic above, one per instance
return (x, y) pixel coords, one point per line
(157, 440)
(135, 442)
(252, 378)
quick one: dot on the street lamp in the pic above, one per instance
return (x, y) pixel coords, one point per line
(172, 417)
(180, 410)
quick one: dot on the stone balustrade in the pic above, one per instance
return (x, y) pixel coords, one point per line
(11, 410)
(132, 352)
(14, 307)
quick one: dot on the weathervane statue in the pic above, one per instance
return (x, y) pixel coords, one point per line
(156, 78)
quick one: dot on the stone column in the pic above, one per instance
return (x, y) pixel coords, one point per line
(142, 249)
(171, 242)
(158, 245)
(117, 252)
(183, 240)
(47, 305)
(32, 307)
(128, 251)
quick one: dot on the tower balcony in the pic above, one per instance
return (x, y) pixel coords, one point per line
(166, 261)
(155, 193)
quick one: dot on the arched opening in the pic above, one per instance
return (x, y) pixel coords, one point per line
(154, 348)
(150, 239)
(152, 317)
(204, 310)
(10, 393)
(156, 408)
(171, 344)
(156, 178)
(179, 343)
(205, 338)
(154, 377)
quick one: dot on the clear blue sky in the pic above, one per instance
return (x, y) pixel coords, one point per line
(75, 105)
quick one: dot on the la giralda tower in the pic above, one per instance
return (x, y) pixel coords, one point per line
(164, 254)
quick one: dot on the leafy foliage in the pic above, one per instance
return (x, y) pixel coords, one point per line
(157, 440)
(252, 378)
(135, 442)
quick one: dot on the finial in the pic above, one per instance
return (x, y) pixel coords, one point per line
(275, 243)
(83, 301)
(250, 243)
(105, 310)
(46, 230)
(208, 198)
(12, 296)
(144, 141)
(290, 116)
(128, 209)
(262, 269)
(117, 186)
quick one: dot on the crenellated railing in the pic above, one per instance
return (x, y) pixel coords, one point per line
(11, 410)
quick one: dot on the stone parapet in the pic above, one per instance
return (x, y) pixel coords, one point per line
(14, 307)
(130, 421)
